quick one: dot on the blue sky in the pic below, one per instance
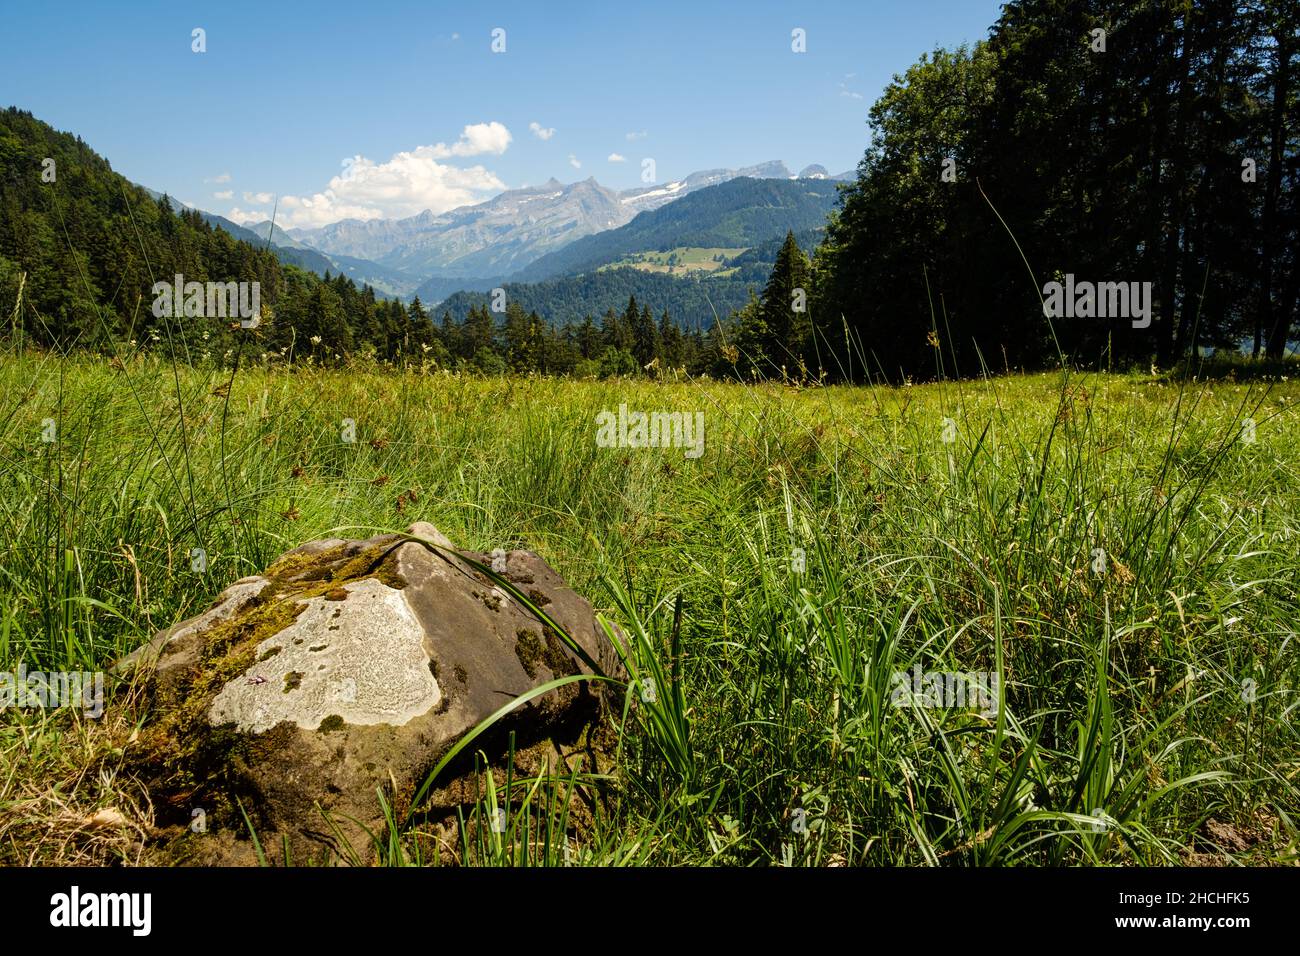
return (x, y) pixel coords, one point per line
(286, 93)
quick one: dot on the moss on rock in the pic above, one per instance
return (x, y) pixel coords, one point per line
(180, 749)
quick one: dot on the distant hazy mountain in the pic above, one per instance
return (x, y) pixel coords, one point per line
(383, 279)
(738, 213)
(506, 233)
(739, 225)
(435, 290)
(478, 247)
(275, 232)
(491, 238)
(652, 197)
(694, 301)
(295, 254)
(387, 283)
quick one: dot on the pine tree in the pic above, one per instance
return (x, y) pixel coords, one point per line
(421, 329)
(645, 336)
(450, 334)
(519, 339)
(785, 309)
(477, 334)
(672, 347)
(588, 339)
(752, 341)
(616, 332)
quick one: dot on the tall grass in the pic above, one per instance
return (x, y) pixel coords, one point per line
(1111, 547)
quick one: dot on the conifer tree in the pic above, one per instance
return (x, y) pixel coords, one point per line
(785, 309)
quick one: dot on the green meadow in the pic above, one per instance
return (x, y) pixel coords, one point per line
(683, 259)
(1118, 554)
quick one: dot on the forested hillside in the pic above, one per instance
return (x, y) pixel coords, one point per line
(85, 246)
(693, 301)
(1111, 140)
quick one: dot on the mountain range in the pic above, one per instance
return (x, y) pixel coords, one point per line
(694, 257)
(695, 248)
(739, 212)
(507, 233)
(387, 283)
(555, 233)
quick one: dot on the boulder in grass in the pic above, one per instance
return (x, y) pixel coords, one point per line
(348, 668)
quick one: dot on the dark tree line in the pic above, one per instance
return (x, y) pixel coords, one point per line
(1168, 156)
(692, 301)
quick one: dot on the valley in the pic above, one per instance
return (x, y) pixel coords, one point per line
(683, 260)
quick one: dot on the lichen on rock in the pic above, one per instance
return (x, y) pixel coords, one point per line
(362, 659)
(306, 688)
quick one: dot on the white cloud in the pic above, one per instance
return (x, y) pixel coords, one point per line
(257, 197)
(222, 178)
(633, 137)
(574, 161)
(455, 36)
(474, 140)
(408, 183)
(540, 131)
(224, 194)
(248, 215)
(617, 158)
(851, 95)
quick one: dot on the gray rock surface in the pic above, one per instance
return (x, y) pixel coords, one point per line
(361, 657)
(347, 667)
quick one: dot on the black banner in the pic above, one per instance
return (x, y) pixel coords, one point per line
(141, 905)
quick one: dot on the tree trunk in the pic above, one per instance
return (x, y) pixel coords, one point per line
(1276, 320)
